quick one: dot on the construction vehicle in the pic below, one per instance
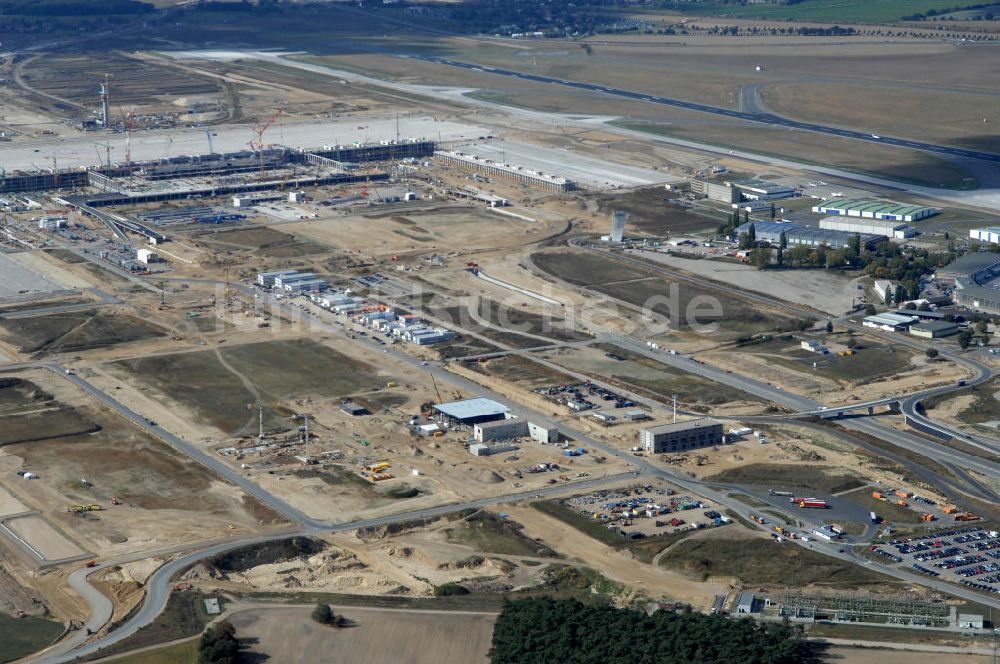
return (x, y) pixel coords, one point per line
(927, 517)
(902, 503)
(966, 516)
(779, 530)
(80, 509)
(115, 501)
(903, 494)
(877, 495)
(757, 519)
(949, 509)
(91, 563)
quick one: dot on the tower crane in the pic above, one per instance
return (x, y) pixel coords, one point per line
(259, 130)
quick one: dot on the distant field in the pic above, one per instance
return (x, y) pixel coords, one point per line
(831, 151)
(933, 115)
(842, 11)
(642, 288)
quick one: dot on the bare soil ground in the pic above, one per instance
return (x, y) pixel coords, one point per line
(377, 635)
(165, 499)
(218, 384)
(76, 331)
(43, 538)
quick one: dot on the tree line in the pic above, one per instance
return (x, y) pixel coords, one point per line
(544, 630)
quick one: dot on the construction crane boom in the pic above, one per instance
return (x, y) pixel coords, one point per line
(259, 130)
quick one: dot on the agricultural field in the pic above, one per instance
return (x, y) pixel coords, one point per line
(428, 637)
(218, 385)
(73, 332)
(640, 287)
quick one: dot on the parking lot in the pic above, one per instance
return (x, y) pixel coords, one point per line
(970, 556)
(580, 397)
(643, 511)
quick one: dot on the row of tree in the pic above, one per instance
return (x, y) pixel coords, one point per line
(543, 630)
(219, 645)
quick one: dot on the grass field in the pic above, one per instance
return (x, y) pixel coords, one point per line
(648, 377)
(867, 364)
(276, 370)
(756, 562)
(22, 636)
(933, 115)
(183, 616)
(781, 475)
(647, 288)
(489, 533)
(522, 371)
(985, 406)
(830, 11)
(265, 241)
(181, 653)
(821, 150)
(76, 331)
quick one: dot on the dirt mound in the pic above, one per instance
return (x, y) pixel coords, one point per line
(489, 477)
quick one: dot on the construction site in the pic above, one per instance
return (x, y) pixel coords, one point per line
(400, 343)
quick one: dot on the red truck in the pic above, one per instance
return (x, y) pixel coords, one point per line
(812, 502)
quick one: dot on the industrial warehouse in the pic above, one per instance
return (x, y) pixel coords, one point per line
(799, 234)
(872, 209)
(508, 172)
(894, 229)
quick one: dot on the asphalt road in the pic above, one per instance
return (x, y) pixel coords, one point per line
(158, 586)
(765, 118)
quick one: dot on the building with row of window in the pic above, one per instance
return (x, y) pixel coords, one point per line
(681, 436)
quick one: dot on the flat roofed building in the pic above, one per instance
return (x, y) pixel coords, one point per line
(990, 234)
(889, 322)
(970, 621)
(771, 232)
(896, 229)
(970, 294)
(978, 266)
(746, 603)
(874, 209)
(507, 429)
(512, 173)
(472, 411)
(762, 190)
(267, 278)
(681, 436)
(934, 329)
